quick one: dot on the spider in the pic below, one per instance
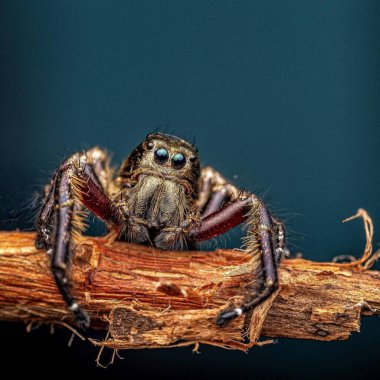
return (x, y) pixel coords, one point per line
(160, 197)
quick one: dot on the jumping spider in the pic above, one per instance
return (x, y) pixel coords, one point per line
(161, 197)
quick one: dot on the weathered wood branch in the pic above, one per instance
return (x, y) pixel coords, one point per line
(150, 298)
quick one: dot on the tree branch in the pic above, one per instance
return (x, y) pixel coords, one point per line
(150, 298)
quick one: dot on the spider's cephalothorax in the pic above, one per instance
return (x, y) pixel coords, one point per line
(157, 191)
(160, 197)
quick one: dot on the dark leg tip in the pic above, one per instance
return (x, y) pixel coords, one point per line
(225, 317)
(82, 320)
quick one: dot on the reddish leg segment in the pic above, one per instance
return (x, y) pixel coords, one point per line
(253, 211)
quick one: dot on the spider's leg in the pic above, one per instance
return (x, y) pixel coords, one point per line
(280, 240)
(76, 184)
(95, 200)
(214, 191)
(45, 220)
(205, 187)
(96, 163)
(217, 199)
(251, 210)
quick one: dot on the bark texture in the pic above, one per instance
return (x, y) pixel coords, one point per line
(150, 298)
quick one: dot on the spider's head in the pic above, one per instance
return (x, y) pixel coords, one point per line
(165, 156)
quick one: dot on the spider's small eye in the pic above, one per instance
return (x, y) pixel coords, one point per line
(149, 146)
(178, 161)
(161, 155)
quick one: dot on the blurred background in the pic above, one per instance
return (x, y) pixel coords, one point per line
(280, 96)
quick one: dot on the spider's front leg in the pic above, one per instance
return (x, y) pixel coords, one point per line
(263, 233)
(81, 181)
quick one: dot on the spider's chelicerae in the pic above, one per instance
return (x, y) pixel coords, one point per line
(161, 197)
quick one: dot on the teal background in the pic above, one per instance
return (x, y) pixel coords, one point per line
(283, 96)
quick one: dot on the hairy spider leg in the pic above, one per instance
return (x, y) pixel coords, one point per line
(76, 184)
(217, 200)
(205, 187)
(214, 191)
(253, 211)
(45, 219)
(280, 240)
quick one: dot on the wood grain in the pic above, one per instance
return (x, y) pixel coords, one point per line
(150, 298)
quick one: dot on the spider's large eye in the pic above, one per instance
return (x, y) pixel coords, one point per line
(178, 161)
(161, 155)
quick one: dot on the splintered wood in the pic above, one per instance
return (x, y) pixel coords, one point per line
(145, 297)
